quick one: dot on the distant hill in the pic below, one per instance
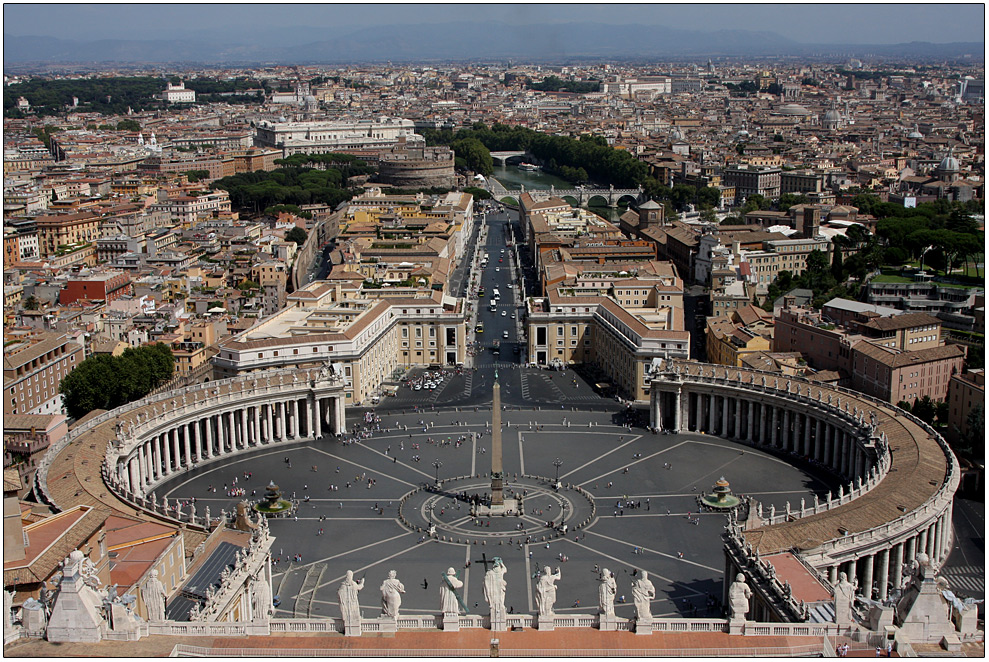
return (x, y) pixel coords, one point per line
(458, 41)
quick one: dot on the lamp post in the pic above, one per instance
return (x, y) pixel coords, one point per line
(437, 464)
(557, 463)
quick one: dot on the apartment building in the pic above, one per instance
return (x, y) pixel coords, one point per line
(729, 341)
(190, 208)
(895, 376)
(26, 437)
(321, 137)
(369, 332)
(608, 317)
(873, 355)
(966, 392)
(33, 368)
(750, 180)
(62, 230)
(96, 287)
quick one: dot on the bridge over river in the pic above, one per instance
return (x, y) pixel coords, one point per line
(580, 196)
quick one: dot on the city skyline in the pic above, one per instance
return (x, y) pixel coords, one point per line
(873, 24)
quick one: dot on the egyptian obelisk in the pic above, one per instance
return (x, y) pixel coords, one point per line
(497, 486)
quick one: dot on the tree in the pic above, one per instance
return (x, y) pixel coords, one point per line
(296, 234)
(836, 266)
(128, 125)
(971, 439)
(32, 303)
(925, 409)
(107, 382)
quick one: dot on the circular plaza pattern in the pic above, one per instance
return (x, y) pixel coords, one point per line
(631, 504)
(849, 483)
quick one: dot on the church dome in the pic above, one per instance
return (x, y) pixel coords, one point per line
(949, 164)
(832, 116)
(676, 134)
(793, 109)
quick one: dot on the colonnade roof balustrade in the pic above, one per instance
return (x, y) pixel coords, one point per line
(922, 470)
(71, 472)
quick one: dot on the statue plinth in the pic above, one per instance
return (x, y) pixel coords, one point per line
(608, 623)
(736, 626)
(545, 623)
(643, 626)
(498, 621)
(451, 622)
(387, 625)
(505, 507)
(497, 491)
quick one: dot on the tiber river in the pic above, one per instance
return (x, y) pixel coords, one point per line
(512, 178)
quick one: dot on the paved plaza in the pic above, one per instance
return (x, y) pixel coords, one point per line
(661, 474)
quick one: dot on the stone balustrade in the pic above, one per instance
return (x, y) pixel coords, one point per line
(865, 441)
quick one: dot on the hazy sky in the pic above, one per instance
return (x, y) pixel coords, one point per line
(805, 23)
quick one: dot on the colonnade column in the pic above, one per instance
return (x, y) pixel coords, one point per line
(318, 417)
(187, 442)
(678, 403)
(774, 427)
(897, 565)
(724, 416)
(819, 449)
(269, 434)
(219, 434)
(133, 474)
(209, 437)
(196, 444)
(142, 462)
(883, 573)
(711, 405)
(867, 577)
(807, 445)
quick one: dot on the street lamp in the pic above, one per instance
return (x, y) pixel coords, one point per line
(557, 463)
(437, 464)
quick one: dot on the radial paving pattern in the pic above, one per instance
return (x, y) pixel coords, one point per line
(353, 492)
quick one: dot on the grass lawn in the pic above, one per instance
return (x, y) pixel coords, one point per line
(890, 278)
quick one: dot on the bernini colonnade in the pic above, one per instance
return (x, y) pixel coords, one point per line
(858, 439)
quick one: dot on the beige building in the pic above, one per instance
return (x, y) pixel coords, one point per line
(33, 368)
(606, 318)
(370, 332)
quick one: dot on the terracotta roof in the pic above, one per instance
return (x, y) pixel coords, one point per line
(900, 359)
(52, 539)
(904, 321)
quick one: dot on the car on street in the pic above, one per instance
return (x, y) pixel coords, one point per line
(504, 312)
(504, 334)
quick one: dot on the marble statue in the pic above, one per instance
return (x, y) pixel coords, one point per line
(844, 598)
(546, 591)
(153, 594)
(391, 595)
(738, 598)
(643, 593)
(495, 586)
(350, 608)
(607, 588)
(449, 600)
(261, 604)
